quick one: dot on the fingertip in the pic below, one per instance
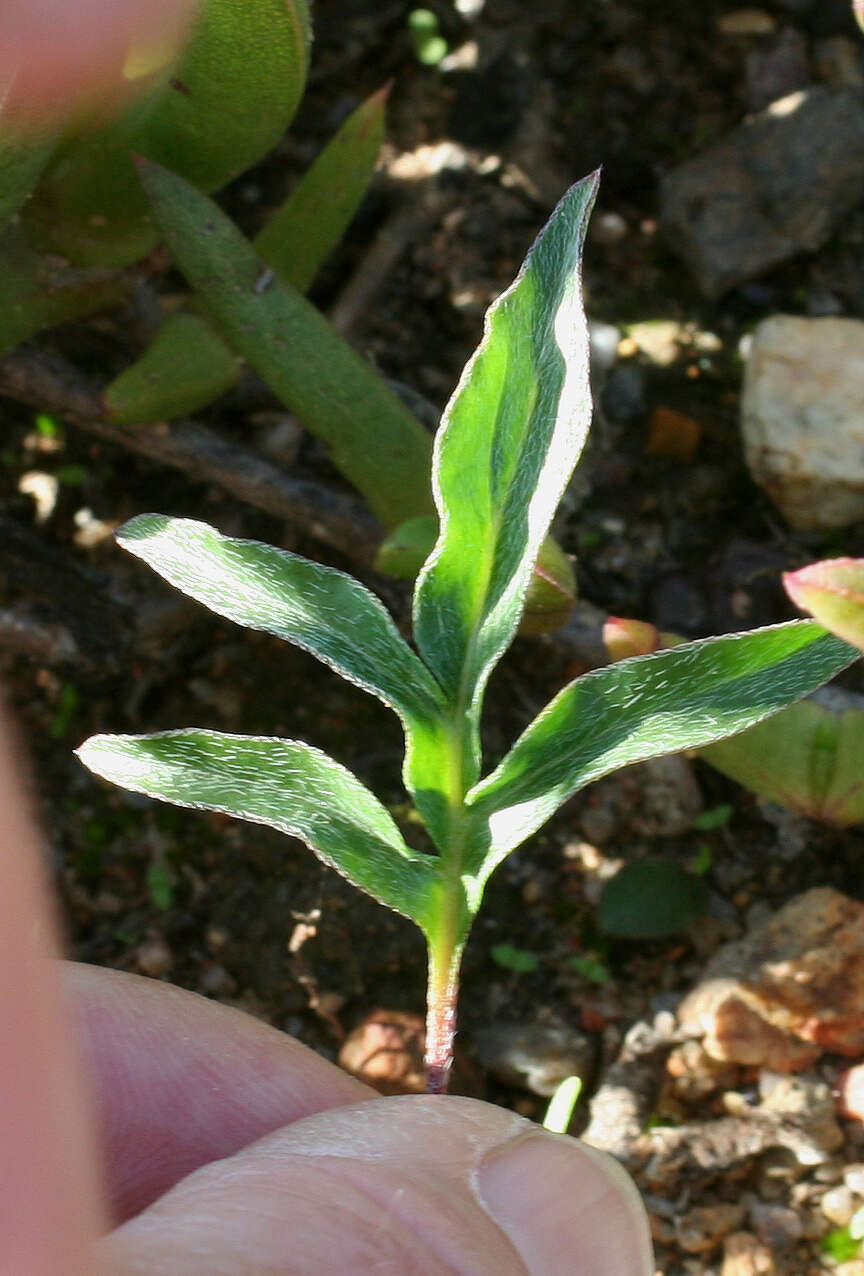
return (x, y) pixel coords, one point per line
(565, 1207)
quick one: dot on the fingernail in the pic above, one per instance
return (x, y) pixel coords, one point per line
(565, 1207)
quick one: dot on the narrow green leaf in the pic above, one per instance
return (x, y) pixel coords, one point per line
(319, 609)
(374, 440)
(23, 158)
(37, 292)
(301, 234)
(282, 783)
(186, 366)
(221, 106)
(508, 443)
(641, 708)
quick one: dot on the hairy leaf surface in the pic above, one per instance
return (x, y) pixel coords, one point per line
(319, 609)
(509, 439)
(642, 708)
(282, 783)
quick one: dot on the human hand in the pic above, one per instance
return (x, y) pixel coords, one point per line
(228, 1148)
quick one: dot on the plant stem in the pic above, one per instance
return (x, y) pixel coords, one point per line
(448, 939)
(442, 991)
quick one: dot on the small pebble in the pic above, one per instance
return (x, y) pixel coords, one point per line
(777, 1226)
(854, 1268)
(838, 1205)
(853, 1177)
(154, 957)
(215, 979)
(703, 1228)
(604, 338)
(216, 938)
(745, 1255)
(608, 228)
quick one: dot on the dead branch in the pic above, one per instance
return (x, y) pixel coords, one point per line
(47, 381)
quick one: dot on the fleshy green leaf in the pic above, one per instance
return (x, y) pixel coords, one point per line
(642, 708)
(508, 443)
(301, 234)
(282, 783)
(319, 609)
(833, 592)
(186, 366)
(38, 292)
(374, 440)
(221, 106)
(807, 758)
(23, 157)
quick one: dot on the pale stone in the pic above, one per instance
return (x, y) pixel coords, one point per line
(802, 418)
(789, 990)
(745, 1255)
(838, 1206)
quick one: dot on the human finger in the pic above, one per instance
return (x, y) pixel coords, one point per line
(180, 1081)
(413, 1186)
(49, 1198)
(54, 51)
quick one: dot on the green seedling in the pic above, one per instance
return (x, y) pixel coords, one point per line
(519, 960)
(430, 47)
(590, 967)
(161, 883)
(506, 447)
(706, 821)
(841, 1245)
(559, 1112)
(807, 758)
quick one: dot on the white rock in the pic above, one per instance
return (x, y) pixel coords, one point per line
(838, 1205)
(802, 418)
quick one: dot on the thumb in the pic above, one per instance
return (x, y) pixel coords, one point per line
(417, 1185)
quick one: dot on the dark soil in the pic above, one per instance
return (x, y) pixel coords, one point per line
(243, 914)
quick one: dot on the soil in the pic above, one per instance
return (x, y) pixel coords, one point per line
(686, 541)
